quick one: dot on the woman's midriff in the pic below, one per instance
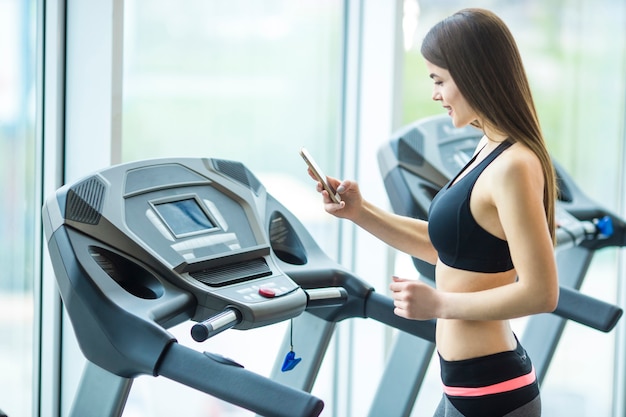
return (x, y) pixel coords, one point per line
(465, 339)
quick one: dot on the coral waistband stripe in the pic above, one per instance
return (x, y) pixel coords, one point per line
(510, 385)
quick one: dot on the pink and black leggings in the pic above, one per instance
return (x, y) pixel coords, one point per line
(498, 385)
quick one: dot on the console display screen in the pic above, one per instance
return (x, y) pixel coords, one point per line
(185, 217)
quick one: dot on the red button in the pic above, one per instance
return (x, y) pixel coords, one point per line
(267, 292)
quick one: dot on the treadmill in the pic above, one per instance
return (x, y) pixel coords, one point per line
(140, 247)
(420, 159)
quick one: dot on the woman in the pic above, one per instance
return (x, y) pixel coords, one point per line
(491, 230)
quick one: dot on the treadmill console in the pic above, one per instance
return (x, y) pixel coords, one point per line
(162, 241)
(212, 239)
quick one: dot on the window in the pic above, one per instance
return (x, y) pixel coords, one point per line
(251, 81)
(18, 211)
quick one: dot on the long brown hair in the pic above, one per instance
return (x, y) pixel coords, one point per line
(479, 51)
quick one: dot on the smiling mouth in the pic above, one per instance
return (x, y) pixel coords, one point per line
(449, 109)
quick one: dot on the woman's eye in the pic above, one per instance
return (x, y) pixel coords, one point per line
(439, 83)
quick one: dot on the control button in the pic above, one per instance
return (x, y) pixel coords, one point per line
(267, 292)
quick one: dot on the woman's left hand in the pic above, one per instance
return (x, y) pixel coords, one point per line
(414, 299)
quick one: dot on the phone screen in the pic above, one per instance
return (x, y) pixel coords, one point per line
(321, 177)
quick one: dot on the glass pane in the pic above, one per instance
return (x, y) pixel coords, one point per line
(245, 80)
(17, 210)
(574, 53)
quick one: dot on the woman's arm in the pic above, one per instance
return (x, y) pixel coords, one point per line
(403, 233)
(406, 234)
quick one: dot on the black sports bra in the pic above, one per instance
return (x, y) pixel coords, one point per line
(460, 241)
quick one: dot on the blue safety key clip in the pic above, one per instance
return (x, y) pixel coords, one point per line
(290, 361)
(604, 226)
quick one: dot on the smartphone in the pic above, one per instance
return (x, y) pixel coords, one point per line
(334, 195)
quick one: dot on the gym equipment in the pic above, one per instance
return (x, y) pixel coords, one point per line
(140, 247)
(418, 160)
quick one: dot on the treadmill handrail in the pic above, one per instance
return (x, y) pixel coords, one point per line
(364, 301)
(229, 381)
(316, 298)
(598, 315)
(215, 324)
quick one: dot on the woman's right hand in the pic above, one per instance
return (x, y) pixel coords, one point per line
(351, 199)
